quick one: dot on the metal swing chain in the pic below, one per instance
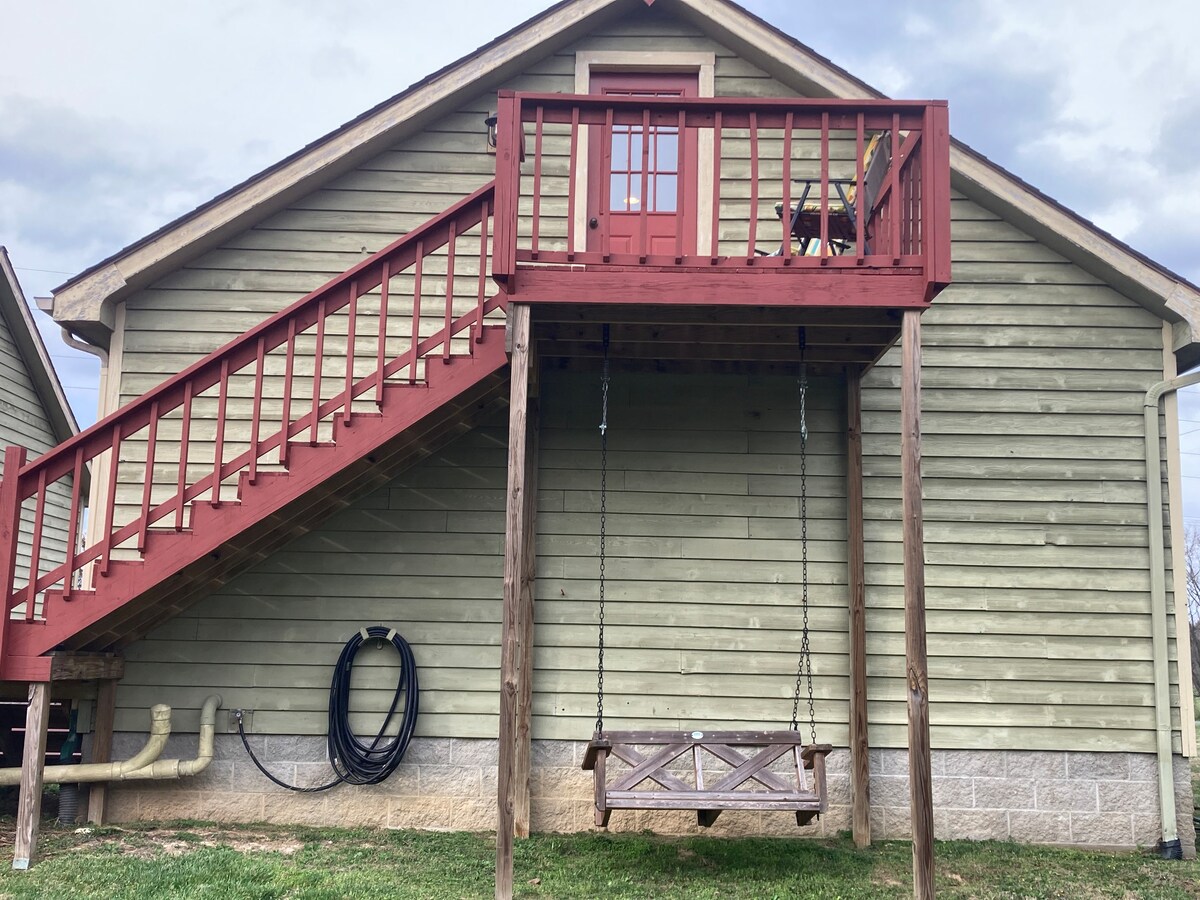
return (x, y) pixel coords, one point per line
(604, 378)
(804, 664)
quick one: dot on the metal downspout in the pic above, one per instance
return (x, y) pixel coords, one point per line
(1158, 610)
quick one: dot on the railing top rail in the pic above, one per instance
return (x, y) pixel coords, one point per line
(97, 438)
(701, 104)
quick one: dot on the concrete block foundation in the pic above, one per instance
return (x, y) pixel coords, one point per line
(1043, 797)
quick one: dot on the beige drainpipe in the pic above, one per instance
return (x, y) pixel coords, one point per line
(1158, 608)
(145, 764)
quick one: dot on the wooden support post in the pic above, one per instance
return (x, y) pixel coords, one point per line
(860, 766)
(516, 532)
(525, 612)
(102, 735)
(29, 803)
(919, 776)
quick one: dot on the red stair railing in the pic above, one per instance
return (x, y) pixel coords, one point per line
(364, 309)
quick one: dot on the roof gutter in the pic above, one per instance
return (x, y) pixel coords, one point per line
(1169, 847)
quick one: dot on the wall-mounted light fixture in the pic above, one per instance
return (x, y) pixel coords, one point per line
(490, 122)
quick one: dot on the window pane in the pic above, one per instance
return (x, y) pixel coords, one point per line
(667, 147)
(635, 149)
(620, 199)
(620, 148)
(665, 188)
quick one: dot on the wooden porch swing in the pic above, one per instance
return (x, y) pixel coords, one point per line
(755, 770)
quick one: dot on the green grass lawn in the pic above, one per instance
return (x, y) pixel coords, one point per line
(260, 862)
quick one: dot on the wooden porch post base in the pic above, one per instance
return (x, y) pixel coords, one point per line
(102, 734)
(29, 805)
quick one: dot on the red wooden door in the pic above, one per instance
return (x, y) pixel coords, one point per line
(660, 162)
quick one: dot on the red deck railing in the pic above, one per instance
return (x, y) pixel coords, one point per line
(749, 156)
(290, 376)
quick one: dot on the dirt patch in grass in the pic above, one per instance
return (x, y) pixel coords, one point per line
(147, 844)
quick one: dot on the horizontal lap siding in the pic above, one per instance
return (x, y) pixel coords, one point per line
(24, 423)
(1036, 560)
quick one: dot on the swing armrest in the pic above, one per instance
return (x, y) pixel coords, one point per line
(595, 747)
(813, 750)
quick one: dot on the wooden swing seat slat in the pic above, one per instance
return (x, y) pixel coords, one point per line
(743, 783)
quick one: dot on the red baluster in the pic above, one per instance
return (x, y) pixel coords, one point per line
(73, 524)
(289, 363)
(256, 411)
(35, 550)
(184, 438)
(351, 335)
(110, 503)
(572, 176)
(318, 368)
(219, 443)
(716, 188)
(383, 317)
(483, 260)
(644, 212)
(416, 313)
(537, 183)
(825, 251)
(786, 215)
(148, 475)
(753, 237)
(450, 287)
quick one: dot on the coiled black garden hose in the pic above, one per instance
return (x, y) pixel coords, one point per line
(355, 761)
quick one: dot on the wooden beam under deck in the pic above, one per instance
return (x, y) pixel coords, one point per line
(838, 289)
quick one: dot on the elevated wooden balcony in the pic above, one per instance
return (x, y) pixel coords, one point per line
(671, 200)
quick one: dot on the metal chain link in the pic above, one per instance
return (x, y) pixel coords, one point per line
(603, 533)
(804, 664)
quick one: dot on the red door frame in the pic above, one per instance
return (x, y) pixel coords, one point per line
(623, 227)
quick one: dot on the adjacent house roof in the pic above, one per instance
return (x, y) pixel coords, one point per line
(84, 302)
(19, 319)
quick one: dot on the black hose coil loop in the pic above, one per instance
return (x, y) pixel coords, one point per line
(356, 761)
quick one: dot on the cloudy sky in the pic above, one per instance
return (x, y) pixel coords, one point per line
(117, 116)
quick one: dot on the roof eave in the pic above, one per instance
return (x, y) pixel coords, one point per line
(32, 349)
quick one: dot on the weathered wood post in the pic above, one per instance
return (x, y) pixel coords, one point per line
(920, 779)
(29, 802)
(102, 736)
(517, 532)
(524, 723)
(860, 766)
